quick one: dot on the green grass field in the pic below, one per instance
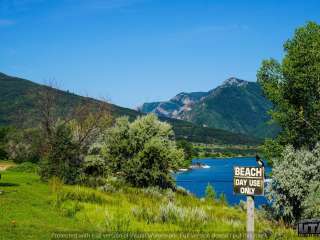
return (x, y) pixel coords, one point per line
(31, 209)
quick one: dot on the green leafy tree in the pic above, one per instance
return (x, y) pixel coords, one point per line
(143, 152)
(293, 87)
(189, 151)
(187, 148)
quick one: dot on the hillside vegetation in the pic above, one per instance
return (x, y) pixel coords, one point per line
(32, 209)
(18, 99)
(237, 106)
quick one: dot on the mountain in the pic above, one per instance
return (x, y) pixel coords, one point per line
(237, 106)
(18, 105)
(174, 107)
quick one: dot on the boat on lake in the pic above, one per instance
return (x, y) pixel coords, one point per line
(198, 165)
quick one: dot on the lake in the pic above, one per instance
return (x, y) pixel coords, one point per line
(220, 176)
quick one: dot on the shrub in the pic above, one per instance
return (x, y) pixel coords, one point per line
(94, 169)
(24, 145)
(311, 205)
(293, 175)
(27, 167)
(141, 152)
(62, 160)
(210, 193)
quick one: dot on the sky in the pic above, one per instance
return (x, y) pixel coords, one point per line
(136, 51)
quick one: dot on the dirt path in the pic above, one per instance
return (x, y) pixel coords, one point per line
(5, 165)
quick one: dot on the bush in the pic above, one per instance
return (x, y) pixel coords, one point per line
(63, 159)
(311, 205)
(27, 167)
(93, 172)
(142, 153)
(24, 145)
(293, 175)
(210, 193)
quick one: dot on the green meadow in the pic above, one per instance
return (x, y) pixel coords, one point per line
(32, 209)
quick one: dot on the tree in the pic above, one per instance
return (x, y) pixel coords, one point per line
(63, 159)
(293, 87)
(4, 131)
(24, 145)
(311, 205)
(188, 149)
(294, 177)
(143, 152)
(67, 131)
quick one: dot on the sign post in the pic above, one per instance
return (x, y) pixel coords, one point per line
(249, 181)
(250, 217)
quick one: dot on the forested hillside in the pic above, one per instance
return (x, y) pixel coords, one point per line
(19, 99)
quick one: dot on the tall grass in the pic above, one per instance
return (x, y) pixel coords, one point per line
(26, 167)
(55, 185)
(117, 222)
(132, 210)
(82, 194)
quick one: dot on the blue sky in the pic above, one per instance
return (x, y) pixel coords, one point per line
(133, 51)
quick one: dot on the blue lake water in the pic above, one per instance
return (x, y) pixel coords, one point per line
(220, 176)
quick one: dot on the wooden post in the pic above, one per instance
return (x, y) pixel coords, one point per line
(250, 218)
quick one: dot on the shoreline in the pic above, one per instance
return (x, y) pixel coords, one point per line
(202, 158)
(194, 166)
